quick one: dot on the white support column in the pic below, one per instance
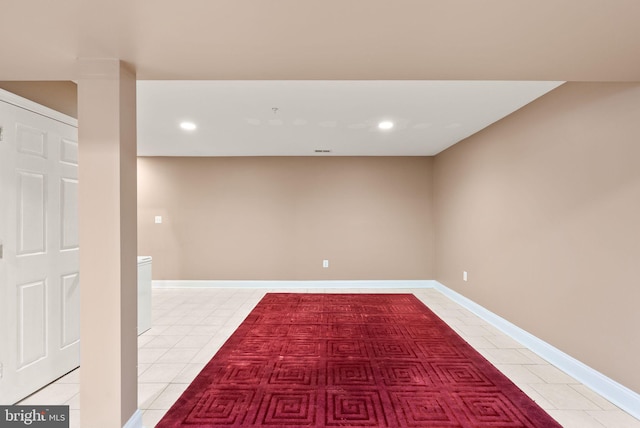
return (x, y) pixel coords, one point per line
(108, 242)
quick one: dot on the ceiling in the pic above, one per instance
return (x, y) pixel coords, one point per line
(569, 40)
(328, 40)
(296, 118)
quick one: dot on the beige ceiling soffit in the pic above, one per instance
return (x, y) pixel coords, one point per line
(101, 68)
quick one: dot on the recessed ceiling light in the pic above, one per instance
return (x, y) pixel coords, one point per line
(188, 126)
(385, 124)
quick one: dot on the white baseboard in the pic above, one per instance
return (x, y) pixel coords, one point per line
(618, 394)
(418, 283)
(135, 421)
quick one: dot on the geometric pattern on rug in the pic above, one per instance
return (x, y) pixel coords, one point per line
(350, 360)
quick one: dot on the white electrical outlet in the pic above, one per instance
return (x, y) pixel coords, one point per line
(464, 275)
(158, 219)
(325, 263)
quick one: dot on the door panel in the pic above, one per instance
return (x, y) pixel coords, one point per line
(69, 152)
(31, 213)
(31, 141)
(70, 302)
(32, 323)
(69, 213)
(40, 284)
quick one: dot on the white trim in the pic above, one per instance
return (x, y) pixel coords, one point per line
(418, 283)
(618, 394)
(18, 101)
(135, 421)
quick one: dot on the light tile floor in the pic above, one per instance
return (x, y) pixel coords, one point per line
(190, 325)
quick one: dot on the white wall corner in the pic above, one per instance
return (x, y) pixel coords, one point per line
(618, 394)
(135, 421)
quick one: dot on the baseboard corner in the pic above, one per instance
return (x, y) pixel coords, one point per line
(135, 421)
(618, 394)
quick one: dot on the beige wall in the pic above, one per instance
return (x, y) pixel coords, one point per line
(108, 240)
(543, 211)
(57, 95)
(277, 218)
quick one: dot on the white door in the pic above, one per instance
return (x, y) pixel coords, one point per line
(39, 281)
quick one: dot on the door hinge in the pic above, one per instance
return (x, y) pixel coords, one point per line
(0, 133)
(0, 370)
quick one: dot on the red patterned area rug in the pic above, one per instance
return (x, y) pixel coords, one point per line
(350, 360)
